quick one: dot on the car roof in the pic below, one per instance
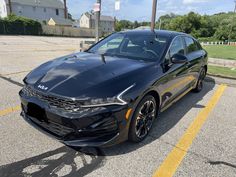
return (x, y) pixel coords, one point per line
(166, 33)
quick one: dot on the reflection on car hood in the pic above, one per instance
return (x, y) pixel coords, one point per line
(76, 74)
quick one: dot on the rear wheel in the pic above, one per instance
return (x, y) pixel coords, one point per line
(199, 85)
(143, 118)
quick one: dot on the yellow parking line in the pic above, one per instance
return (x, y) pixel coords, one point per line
(9, 110)
(174, 158)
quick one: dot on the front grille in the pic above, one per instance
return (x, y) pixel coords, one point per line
(61, 103)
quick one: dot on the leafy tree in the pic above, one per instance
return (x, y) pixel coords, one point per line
(136, 24)
(216, 26)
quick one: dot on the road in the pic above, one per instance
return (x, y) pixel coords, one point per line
(195, 137)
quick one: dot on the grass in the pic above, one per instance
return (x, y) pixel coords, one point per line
(221, 51)
(222, 71)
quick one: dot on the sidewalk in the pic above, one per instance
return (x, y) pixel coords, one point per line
(222, 62)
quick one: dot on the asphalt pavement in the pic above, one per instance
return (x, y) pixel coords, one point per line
(194, 137)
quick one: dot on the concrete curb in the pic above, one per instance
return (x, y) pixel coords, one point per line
(222, 62)
(221, 76)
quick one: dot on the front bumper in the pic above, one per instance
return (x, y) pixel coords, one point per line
(93, 127)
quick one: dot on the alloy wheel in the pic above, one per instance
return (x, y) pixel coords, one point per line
(145, 119)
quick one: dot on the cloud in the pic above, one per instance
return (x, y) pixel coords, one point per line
(194, 1)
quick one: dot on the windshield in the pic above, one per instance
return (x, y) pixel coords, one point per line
(144, 47)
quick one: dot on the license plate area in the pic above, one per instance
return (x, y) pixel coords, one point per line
(37, 112)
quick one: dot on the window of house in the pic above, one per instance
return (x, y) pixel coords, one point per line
(34, 9)
(57, 12)
(45, 10)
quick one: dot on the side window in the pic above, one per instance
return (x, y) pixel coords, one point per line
(198, 45)
(177, 47)
(191, 45)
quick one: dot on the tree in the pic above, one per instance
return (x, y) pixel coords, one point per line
(136, 24)
(215, 26)
(223, 31)
(123, 24)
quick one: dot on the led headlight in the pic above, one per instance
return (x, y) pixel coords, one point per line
(116, 100)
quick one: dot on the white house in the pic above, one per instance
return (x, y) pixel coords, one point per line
(41, 10)
(107, 24)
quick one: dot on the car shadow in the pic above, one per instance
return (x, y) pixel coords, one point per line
(68, 162)
(166, 121)
(63, 161)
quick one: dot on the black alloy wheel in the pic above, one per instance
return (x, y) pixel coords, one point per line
(143, 118)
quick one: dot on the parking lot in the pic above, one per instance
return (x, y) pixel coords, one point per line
(194, 137)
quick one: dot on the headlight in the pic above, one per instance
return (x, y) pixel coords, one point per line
(116, 100)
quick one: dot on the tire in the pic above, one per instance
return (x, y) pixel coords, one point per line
(142, 119)
(199, 85)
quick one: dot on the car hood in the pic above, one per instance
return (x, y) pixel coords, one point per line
(78, 74)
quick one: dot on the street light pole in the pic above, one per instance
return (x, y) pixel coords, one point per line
(65, 10)
(154, 9)
(97, 21)
(10, 6)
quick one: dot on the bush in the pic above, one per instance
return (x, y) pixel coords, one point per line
(20, 25)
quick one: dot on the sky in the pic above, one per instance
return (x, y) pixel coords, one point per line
(140, 10)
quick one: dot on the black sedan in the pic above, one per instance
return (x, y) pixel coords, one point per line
(113, 91)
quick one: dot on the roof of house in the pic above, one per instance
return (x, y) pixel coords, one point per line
(102, 18)
(62, 21)
(41, 3)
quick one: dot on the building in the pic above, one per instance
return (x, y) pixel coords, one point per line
(41, 10)
(60, 22)
(107, 24)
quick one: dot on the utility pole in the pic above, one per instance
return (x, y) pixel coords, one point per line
(65, 10)
(97, 21)
(154, 10)
(10, 6)
(231, 29)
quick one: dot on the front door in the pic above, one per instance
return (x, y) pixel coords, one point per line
(176, 76)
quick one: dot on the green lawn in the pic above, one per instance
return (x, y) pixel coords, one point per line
(221, 51)
(222, 71)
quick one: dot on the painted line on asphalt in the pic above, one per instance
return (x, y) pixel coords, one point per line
(9, 110)
(15, 73)
(175, 157)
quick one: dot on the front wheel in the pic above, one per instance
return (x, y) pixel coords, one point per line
(202, 76)
(143, 118)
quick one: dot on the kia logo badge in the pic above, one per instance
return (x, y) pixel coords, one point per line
(42, 87)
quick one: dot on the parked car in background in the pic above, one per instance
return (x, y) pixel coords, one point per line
(113, 91)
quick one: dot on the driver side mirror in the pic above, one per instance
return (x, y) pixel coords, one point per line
(178, 59)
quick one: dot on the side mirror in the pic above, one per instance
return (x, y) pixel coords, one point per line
(178, 59)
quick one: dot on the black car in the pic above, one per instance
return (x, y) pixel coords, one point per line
(113, 91)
